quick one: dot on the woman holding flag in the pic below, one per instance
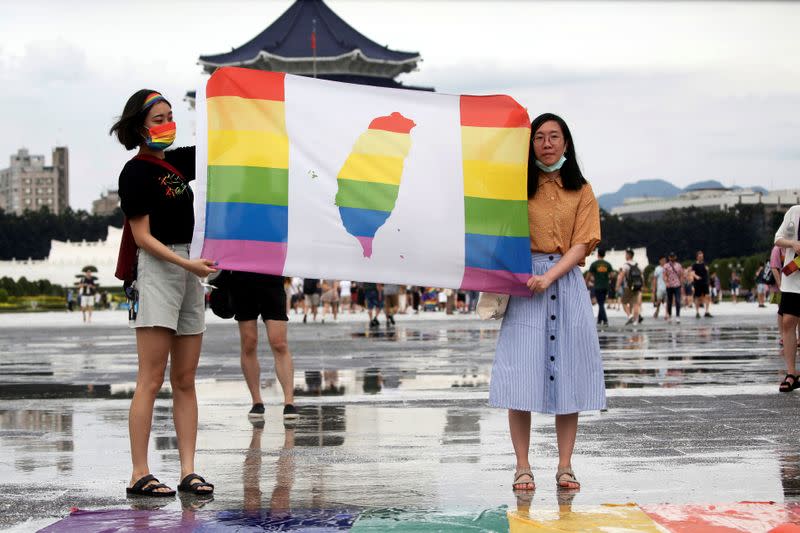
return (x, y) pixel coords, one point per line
(165, 294)
(548, 355)
(787, 237)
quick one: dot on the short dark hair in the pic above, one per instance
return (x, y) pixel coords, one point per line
(629, 251)
(571, 176)
(660, 257)
(129, 125)
(601, 252)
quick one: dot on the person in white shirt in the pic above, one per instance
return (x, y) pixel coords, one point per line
(659, 288)
(787, 237)
(344, 288)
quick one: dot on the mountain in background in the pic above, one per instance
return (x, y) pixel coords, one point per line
(657, 189)
(708, 184)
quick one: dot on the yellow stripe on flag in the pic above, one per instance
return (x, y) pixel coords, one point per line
(248, 149)
(500, 181)
(380, 142)
(501, 145)
(373, 168)
(595, 518)
(234, 113)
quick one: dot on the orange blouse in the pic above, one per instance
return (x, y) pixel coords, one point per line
(559, 219)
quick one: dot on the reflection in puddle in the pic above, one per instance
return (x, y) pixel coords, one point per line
(375, 381)
(39, 433)
(320, 425)
(403, 334)
(46, 391)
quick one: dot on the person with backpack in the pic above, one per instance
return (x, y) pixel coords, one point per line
(632, 276)
(168, 302)
(764, 278)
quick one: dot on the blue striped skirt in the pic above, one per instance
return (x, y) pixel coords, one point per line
(548, 356)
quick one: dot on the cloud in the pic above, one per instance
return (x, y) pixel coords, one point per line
(46, 62)
(464, 77)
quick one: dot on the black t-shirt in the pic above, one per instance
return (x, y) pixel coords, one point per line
(146, 188)
(310, 285)
(88, 286)
(701, 271)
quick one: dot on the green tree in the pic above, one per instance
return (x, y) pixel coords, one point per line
(42, 226)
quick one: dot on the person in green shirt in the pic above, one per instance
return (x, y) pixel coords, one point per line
(600, 270)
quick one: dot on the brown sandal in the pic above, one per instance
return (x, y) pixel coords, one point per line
(567, 471)
(518, 474)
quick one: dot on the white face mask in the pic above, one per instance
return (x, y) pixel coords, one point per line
(552, 168)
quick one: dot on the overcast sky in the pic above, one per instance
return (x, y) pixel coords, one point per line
(682, 91)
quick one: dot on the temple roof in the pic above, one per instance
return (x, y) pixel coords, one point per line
(285, 46)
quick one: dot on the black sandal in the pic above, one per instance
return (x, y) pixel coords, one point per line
(187, 486)
(785, 386)
(146, 487)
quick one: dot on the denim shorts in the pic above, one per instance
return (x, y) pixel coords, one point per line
(372, 300)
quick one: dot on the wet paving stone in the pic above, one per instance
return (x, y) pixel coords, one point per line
(398, 420)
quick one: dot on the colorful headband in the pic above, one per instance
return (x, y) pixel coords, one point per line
(151, 99)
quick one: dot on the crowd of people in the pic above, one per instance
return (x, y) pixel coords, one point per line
(673, 287)
(308, 295)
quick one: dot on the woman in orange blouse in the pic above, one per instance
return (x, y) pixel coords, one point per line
(548, 355)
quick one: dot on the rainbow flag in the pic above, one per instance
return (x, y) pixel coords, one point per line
(497, 240)
(365, 197)
(321, 179)
(791, 267)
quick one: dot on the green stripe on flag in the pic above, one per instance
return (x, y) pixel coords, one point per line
(252, 185)
(366, 195)
(505, 218)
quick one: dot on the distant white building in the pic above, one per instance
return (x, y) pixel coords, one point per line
(66, 259)
(707, 199)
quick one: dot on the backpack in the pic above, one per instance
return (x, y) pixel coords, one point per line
(767, 277)
(634, 278)
(221, 297)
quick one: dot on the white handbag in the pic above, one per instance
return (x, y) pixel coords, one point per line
(492, 306)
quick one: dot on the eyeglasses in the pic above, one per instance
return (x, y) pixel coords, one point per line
(553, 138)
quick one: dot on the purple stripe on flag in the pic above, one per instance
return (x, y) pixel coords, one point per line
(499, 281)
(366, 245)
(248, 256)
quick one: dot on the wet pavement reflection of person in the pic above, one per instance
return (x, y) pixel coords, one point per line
(280, 500)
(373, 380)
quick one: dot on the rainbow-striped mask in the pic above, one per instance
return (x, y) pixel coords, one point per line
(161, 137)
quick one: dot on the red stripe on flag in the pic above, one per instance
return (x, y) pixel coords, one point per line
(394, 122)
(246, 83)
(498, 111)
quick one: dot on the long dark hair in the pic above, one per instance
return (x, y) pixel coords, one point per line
(129, 126)
(571, 176)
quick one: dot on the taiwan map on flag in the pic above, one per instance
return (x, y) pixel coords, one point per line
(320, 179)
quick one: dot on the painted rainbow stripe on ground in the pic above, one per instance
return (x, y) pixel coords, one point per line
(247, 183)
(495, 139)
(370, 177)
